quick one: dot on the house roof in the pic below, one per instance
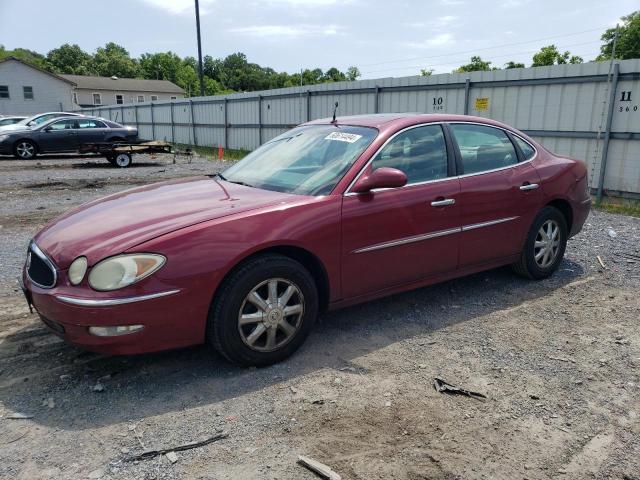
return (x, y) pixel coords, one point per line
(59, 77)
(123, 84)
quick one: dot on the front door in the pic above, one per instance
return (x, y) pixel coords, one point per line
(59, 136)
(499, 196)
(397, 236)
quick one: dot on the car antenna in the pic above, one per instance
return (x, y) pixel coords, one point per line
(335, 109)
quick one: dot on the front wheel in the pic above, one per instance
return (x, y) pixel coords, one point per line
(25, 150)
(263, 311)
(545, 245)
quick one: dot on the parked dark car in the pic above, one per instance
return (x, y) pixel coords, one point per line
(36, 120)
(63, 135)
(329, 214)
(10, 120)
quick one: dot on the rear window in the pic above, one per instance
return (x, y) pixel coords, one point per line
(483, 148)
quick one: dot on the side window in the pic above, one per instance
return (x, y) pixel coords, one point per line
(97, 99)
(420, 152)
(63, 125)
(28, 93)
(4, 91)
(90, 124)
(527, 150)
(483, 148)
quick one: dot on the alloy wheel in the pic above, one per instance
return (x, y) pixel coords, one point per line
(271, 314)
(25, 150)
(547, 244)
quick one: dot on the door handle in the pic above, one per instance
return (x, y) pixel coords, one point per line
(443, 203)
(529, 186)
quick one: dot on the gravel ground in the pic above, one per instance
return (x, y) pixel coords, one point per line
(557, 359)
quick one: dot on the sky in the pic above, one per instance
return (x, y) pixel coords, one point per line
(381, 38)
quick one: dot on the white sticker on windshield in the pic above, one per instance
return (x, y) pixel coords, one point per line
(343, 137)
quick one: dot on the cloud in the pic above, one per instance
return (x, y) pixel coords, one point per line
(178, 7)
(452, 2)
(514, 3)
(287, 30)
(307, 3)
(438, 22)
(437, 41)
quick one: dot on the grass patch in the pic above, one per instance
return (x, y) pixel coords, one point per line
(622, 206)
(211, 153)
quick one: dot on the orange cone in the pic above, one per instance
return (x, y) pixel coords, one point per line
(220, 152)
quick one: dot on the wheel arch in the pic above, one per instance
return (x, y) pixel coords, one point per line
(15, 143)
(301, 255)
(565, 208)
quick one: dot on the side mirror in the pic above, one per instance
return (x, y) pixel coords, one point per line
(383, 177)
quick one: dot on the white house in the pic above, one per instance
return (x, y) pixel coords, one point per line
(26, 90)
(91, 91)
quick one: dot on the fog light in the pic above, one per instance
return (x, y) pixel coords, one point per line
(114, 331)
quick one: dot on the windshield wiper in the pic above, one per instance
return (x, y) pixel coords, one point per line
(237, 182)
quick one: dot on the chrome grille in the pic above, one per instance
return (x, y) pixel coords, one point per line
(40, 269)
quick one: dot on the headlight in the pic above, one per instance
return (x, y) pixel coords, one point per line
(77, 269)
(3, 137)
(123, 270)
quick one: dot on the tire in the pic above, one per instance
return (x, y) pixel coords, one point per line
(122, 160)
(249, 343)
(534, 261)
(25, 150)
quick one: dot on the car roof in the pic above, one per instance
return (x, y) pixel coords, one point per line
(385, 120)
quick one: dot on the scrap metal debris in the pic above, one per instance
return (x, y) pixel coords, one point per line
(154, 453)
(18, 416)
(318, 468)
(444, 387)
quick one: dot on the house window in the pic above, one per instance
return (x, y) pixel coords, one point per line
(119, 99)
(75, 98)
(173, 97)
(28, 93)
(154, 98)
(140, 98)
(97, 99)
(4, 91)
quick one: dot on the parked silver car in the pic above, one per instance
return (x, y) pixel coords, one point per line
(10, 120)
(36, 120)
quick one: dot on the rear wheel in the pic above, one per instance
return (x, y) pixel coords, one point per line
(263, 311)
(25, 150)
(545, 245)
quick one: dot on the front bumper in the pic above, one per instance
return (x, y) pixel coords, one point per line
(168, 323)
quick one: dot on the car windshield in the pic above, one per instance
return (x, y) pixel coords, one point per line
(308, 160)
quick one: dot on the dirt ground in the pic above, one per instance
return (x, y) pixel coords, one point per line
(558, 361)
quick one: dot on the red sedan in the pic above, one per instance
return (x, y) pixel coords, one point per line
(328, 214)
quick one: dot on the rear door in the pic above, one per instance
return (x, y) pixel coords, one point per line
(91, 131)
(401, 235)
(499, 194)
(59, 136)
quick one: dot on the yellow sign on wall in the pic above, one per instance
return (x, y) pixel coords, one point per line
(482, 103)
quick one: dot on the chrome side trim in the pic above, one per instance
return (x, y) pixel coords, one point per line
(427, 236)
(35, 249)
(404, 241)
(348, 193)
(109, 302)
(473, 226)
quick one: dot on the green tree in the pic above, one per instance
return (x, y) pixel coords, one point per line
(427, 72)
(628, 45)
(353, 73)
(27, 56)
(70, 59)
(112, 59)
(476, 65)
(513, 64)
(334, 75)
(550, 55)
(160, 66)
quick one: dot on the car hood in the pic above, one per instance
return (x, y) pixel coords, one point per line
(113, 224)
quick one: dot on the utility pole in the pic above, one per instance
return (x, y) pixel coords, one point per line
(199, 49)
